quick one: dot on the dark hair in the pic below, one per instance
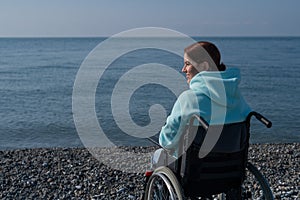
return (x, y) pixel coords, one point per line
(195, 52)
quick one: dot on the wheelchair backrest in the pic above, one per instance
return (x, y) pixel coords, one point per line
(233, 137)
(224, 165)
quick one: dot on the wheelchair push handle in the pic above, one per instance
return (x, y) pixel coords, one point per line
(262, 119)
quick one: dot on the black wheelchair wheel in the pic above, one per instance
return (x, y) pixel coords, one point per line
(255, 186)
(163, 185)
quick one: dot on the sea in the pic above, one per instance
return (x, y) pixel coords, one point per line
(37, 77)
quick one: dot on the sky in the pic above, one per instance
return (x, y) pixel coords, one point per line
(96, 18)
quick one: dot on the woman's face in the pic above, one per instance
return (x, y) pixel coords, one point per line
(189, 70)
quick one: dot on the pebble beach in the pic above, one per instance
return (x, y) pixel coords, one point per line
(76, 173)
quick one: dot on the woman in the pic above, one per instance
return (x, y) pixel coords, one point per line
(213, 94)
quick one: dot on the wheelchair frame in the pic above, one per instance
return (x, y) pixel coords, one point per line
(164, 183)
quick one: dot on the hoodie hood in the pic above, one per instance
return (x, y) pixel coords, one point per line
(215, 96)
(219, 86)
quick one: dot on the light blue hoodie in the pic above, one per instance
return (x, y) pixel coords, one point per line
(212, 94)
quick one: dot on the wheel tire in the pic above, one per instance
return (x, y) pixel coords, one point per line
(168, 178)
(263, 183)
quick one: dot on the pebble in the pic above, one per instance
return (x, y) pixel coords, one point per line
(76, 174)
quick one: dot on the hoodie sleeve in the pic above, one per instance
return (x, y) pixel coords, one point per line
(168, 134)
(185, 106)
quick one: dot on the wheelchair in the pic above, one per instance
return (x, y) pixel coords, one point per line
(224, 173)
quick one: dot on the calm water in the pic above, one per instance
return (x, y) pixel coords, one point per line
(37, 77)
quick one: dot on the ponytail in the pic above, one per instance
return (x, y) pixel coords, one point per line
(221, 67)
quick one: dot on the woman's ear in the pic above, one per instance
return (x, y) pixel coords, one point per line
(204, 66)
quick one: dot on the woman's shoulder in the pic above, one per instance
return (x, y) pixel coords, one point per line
(188, 97)
(187, 94)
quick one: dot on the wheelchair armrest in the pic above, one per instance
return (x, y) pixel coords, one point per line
(155, 141)
(202, 121)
